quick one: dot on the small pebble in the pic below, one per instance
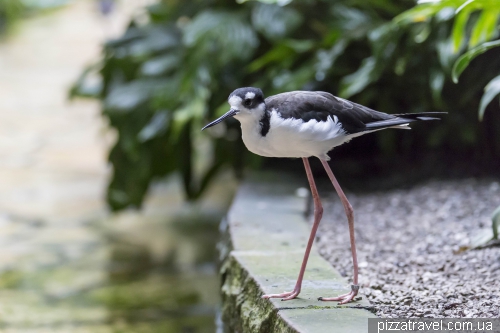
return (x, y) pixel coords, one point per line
(413, 248)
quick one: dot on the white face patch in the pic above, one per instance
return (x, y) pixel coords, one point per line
(235, 102)
(246, 113)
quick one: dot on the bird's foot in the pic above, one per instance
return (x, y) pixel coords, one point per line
(284, 296)
(343, 299)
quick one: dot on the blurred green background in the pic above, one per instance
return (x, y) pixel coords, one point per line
(71, 263)
(173, 69)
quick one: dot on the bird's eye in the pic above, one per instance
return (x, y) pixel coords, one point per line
(247, 102)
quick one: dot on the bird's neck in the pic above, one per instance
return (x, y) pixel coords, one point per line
(256, 121)
(251, 130)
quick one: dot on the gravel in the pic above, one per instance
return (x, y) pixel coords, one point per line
(413, 248)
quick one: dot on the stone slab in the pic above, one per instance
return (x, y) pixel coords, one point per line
(268, 234)
(326, 320)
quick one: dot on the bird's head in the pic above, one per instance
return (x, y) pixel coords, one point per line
(245, 103)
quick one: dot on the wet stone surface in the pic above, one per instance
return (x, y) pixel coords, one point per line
(412, 248)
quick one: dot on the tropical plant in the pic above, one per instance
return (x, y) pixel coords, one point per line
(164, 78)
(485, 15)
(475, 27)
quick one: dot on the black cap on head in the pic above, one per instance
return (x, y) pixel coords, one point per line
(243, 93)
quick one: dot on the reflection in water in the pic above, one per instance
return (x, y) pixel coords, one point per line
(66, 265)
(168, 295)
(138, 271)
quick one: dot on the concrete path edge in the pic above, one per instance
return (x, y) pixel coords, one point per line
(264, 237)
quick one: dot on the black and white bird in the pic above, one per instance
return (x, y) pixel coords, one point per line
(302, 124)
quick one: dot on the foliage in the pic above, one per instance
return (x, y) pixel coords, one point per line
(484, 15)
(484, 28)
(158, 81)
(487, 237)
(165, 78)
(495, 218)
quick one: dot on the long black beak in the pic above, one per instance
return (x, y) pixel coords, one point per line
(228, 114)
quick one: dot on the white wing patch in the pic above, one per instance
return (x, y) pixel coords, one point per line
(296, 138)
(312, 130)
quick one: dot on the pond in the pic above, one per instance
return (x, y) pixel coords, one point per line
(152, 270)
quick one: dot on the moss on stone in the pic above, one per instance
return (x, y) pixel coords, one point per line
(261, 250)
(243, 309)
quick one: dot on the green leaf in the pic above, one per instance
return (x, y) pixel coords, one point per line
(293, 80)
(193, 109)
(445, 14)
(157, 39)
(400, 66)
(354, 22)
(486, 235)
(327, 58)
(156, 126)
(485, 27)
(495, 219)
(160, 65)
(445, 52)
(277, 53)
(419, 13)
(283, 53)
(383, 41)
(299, 45)
(127, 97)
(275, 22)
(465, 59)
(436, 84)
(462, 6)
(131, 34)
(225, 35)
(491, 90)
(458, 34)
(357, 81)
(483, 237)
(423, 33)
(88, 83)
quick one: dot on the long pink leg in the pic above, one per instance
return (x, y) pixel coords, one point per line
(318, 213)
(350, 218)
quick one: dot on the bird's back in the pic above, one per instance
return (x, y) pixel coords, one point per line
(319, 105)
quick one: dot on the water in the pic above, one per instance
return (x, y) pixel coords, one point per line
(138, 271)
(66, 263)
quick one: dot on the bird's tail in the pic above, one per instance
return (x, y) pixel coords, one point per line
(421, 115)
(403, 119)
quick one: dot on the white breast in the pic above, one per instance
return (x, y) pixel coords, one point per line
(293, 137)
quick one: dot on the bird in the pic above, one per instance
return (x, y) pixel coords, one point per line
(304, 124)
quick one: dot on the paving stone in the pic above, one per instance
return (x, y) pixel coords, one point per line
(268, 234)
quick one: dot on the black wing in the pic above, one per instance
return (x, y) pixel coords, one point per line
(354, 118)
